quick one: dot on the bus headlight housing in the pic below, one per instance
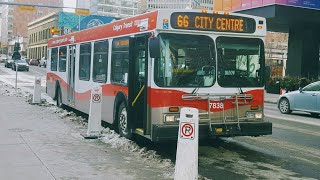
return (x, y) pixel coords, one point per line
(169, 118)
(254, 115)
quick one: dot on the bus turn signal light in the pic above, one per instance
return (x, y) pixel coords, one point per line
(260, 27)
(254, 107)
(204, 11)
(173, 109)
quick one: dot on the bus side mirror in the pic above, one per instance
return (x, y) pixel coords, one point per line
(154, 47)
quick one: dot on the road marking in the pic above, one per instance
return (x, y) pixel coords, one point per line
(294, 120)
(300, 130)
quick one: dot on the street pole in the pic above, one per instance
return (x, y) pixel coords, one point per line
(79, 22)
(16, 64)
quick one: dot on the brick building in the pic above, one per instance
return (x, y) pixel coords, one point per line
(15, 19)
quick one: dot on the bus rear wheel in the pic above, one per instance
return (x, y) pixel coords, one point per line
(124, 131)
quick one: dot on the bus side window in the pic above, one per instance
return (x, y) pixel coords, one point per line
(100, 61)
(54, 59)
(62, 59)
(119, 60)
(85, 62)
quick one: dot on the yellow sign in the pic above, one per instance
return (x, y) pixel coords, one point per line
(54, 31)
(27, 8)
(83, 12)
(212, 22)
(3, 45)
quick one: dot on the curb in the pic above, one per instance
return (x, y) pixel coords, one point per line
(271, 102)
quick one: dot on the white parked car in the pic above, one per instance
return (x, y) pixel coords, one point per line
(43, 62)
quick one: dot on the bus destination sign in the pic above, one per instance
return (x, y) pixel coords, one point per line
(212, 22)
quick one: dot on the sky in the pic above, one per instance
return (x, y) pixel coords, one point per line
(69, 3)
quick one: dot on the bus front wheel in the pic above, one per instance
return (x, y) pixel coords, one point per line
(124, 131)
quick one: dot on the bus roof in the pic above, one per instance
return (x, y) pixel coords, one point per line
(166, 19)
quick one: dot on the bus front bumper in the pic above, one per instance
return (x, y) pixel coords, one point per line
(162, 133)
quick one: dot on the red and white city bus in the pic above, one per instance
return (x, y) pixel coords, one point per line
(151, 65)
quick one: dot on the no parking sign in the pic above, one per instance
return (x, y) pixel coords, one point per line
(187, 130)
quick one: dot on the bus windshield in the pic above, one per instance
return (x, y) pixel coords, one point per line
(185, 61)
(240, 62)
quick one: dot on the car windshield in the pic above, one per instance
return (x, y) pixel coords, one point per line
(240, 62)
(186, 61)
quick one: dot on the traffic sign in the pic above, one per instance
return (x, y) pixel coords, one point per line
(83, 12)
(187, 131)
(187, 145)
(96, 98)
(28, 8)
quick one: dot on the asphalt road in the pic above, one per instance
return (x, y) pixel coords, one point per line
(25, 78)
(291, 152)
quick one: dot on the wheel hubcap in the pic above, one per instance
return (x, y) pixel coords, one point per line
(284, 106)
(123, 121)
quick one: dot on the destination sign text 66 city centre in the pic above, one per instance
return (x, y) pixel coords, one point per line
(212, 22)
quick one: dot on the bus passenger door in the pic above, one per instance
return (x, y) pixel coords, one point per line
(137, 84)
(71, 75)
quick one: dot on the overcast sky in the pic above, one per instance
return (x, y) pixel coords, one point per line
(69, 3)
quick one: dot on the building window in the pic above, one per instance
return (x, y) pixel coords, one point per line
(100, 61)
(62, 59)
(85, 62)
(54, 59)
(120, 60)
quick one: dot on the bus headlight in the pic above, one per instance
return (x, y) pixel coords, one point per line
(254, 115)
(258, 115)
(169, 118)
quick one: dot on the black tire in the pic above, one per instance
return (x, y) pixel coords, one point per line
(59, 98)
(284, 106)
(122, 121)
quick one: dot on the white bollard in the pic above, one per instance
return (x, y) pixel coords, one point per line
(187, 150)
(36, 99)
(94, 122)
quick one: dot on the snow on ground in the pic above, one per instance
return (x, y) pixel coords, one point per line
(149, 157)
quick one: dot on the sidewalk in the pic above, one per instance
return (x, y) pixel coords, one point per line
(39, 142)
(271, 98)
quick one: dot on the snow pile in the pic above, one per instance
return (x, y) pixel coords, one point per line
(149, 157)
(69, 115)
(8, 90)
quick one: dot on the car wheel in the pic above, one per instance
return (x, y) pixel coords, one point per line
(5, 65)
(124, 131)
(284, 106)
(59, 99)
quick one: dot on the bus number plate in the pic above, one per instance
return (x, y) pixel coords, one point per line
(216, 105)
